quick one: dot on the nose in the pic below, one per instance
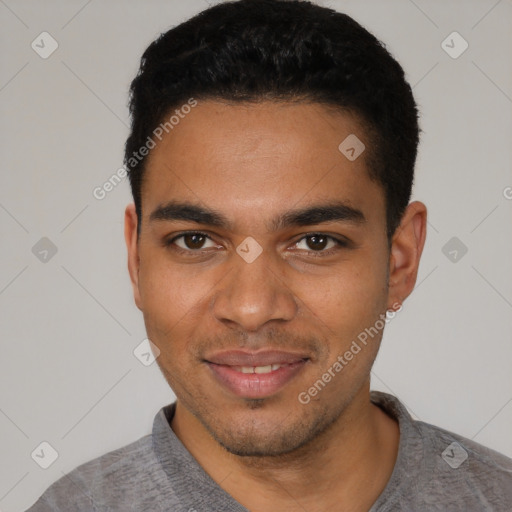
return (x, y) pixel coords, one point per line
(254, 294)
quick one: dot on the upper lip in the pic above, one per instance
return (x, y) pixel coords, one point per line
(260, 358)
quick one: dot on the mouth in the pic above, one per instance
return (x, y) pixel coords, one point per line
(255, 375)
(258, 369)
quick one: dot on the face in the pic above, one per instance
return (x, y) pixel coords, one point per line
(262, 256)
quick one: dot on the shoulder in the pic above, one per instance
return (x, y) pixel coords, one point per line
(439, 470)
(466, 455)
(115, 477)
(463, 472)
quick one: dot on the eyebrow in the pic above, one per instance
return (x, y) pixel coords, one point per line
(316, 214)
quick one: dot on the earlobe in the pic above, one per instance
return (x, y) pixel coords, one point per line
(406, 249)
(131, 239)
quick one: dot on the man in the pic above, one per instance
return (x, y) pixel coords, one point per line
(271, 239)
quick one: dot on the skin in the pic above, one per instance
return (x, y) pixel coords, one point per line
(253, 163)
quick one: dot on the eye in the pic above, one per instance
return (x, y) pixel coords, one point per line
(192, 241)
(320, 243)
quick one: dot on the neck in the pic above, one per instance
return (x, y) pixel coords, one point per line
(349, 464)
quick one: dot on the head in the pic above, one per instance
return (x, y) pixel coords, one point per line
(271, 161)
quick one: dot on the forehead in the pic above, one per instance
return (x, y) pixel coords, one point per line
(261, 158)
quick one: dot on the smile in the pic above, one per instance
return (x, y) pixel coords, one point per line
(256, 381)
(257, 369)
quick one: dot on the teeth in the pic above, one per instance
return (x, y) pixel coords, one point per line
(263, 369)
(257, 369)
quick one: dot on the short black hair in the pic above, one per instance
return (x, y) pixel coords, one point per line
(283, 50)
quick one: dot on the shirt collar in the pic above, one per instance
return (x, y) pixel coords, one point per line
(198, 490)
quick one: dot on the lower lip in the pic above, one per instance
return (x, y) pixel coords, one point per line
(255, 385)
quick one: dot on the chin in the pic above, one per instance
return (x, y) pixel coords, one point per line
(264, 438)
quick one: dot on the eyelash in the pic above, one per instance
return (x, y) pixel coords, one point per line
(340, 243)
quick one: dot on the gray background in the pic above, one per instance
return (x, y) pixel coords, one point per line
(68, 375)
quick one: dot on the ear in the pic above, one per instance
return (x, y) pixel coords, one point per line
(406, 248)
(130, 236)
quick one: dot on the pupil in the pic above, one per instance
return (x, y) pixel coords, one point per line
(194, 241)
(317, 242)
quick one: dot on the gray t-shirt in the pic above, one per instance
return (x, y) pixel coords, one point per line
(436, 470)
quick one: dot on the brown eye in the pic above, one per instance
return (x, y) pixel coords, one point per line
(317, 242)
(192, 241)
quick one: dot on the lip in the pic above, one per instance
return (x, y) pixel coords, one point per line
(259, 358)
(255, 385)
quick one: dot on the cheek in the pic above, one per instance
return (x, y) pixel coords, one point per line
(169, 296)
(350, 298)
